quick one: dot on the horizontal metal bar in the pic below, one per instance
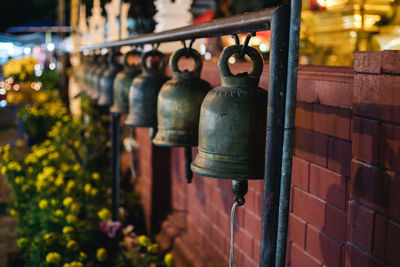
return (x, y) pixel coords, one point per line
(247, 22)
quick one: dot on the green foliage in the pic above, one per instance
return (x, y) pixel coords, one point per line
(61, 196)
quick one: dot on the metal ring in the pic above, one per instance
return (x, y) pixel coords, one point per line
(239, 200)
(246, 43)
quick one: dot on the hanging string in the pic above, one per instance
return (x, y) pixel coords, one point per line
(235, 204)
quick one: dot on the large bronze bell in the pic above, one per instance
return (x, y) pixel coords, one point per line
(233, 123)
(179, 101)
(88, 73)
(107, 81)
(122, 84)
(144, 92)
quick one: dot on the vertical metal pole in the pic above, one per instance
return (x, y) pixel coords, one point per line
(288, 135)
(188, 161)
(115, 165)
(275, 120)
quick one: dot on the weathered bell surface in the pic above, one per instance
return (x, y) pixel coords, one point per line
(107, 81)
(87, 74)
(179, 101)
(233, 122)
(144, 92)
(122, 83)
(97, 75)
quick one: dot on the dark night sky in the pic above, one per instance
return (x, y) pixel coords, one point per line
(20, 12)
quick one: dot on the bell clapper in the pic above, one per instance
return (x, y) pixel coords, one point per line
(188, 161)
(239, 188)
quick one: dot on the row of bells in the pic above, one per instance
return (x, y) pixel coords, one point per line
(227, 123)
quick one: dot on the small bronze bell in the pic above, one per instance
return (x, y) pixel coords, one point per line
(107, 81)
(88, 73)
(144, 91)
(233, 123)
(122, 83)
(96, 78)
(179, 101)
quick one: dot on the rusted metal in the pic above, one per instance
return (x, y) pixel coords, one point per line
(247, 22)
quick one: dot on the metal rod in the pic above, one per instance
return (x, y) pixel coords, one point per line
(288, 135)
(247, 22)
(275, 116)
(115, 164)
(188, 160)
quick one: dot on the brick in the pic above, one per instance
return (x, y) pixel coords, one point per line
(335, 223)
(360, 225)
(369, 185)
(252, 223)
(380, 237)
(336, 93)
(392, 244)
(394, 197)
(332, 121)
(367, 62)
(307, 90)
(311, 146)
(355, 257)
(300, 172)
(309, 208)
(377, 96)
(297, 230)
(390, 146)
(390, 61)
(300, 258)
(339, 155)
(323, 248)
(365, 139)
(304, 113)
(328, 185)
(244, 240)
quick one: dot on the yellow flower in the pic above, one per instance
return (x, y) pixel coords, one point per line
(53, 257)
(82, 255)
(152, 248)
(22, 242)
(87, 188)
(74, 208)
(68, 230)
(73, 264)
(43, 204)
(101, 254)
(169, 260)
(77, 144)
(72, 245)
(3, 170)
(76, 167)
(95, 176)
(58, 213)
(19, 180)
(13, 212)
(144, 241)
(104, 214)
(59, 182)
(71, 218)
(50, 238)
(94, 192)
(70, 185)
(68, 201)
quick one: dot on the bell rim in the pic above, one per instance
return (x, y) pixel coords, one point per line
(211, 173)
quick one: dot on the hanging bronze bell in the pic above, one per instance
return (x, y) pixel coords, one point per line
(88, 72)
(122, 83)
(107, 81)
(97, 75)
(233, 123)
(179, 101)
(144, 92)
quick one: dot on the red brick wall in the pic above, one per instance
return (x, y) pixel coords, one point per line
(345, 209)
